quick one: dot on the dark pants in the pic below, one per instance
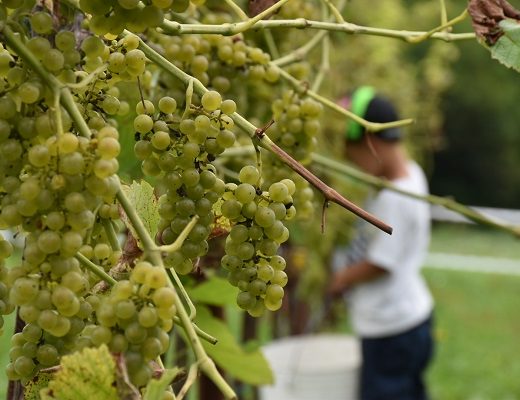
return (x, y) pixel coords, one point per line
(393, 366)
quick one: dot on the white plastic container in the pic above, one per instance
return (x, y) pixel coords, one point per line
(313, 367)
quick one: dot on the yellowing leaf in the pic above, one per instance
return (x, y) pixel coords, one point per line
(85, 375)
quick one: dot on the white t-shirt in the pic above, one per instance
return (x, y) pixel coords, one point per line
(400, 299)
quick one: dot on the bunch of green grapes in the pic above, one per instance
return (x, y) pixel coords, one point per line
(114, 16)
(218, 60)
(253, 242)
(6, 307)
(134, 319)
(180, 149)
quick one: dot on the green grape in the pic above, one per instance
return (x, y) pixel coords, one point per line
(145, 107)
(160, 140)
(151, 348)
(147, 317)
(29, 92)
(249, 174)
(108, 148)
(278, 191)
(125, 309)
(246, 300)
(65, 40)
(118, 343)
(167, 105)
(110, 105)
(291, 187)
(265, 273)
(226, 138)
(265, 217)
(100, 335)
(245, 251)
(272, 305)
(143, 123)
(257, 287)
(245, 193)
(231, 263)
(156, 278)
(280, 278)
(239, 233)
(47, 355)
(24, 366)
(7, 108)
(41, 22)
(143, 149)
(228, 107)
(231, 209)
(39, 155)
(135, 333)
(47, 319)
(163, 297)
(117, 62)
(53, 60)
(211, 100)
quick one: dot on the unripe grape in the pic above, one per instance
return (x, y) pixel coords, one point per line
(249, 174)
(211, 100)
(143, 123)
(41, 22)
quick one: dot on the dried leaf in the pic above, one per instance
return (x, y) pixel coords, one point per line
(486, 16)
(257, 6)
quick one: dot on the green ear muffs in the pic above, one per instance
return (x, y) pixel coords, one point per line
(360, 101)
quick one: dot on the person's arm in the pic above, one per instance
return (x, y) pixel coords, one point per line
(354, 274)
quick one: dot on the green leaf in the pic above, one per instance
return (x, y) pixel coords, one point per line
(85, 375)
(156, 387)
(215, 291)
(507, 48)
(142, 197)
(248, 366)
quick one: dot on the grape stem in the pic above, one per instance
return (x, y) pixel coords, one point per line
(151, 250)
(111, 234)
(231, 29)
(259, 134)
(95, 269)
(190, 380)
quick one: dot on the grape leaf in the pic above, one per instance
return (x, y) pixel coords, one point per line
(156, 387)
(33, 387)
(84, 375)
(142, 197)
(248, 366)
(497, 25)
(215, 291)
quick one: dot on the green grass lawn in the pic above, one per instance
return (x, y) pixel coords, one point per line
(477, 321)
(477, 330)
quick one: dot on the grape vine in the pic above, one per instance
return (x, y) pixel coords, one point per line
(191, 82)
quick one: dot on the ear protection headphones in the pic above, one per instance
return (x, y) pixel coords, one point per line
(361, 98)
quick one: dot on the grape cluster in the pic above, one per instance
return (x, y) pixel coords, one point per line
(179, 150)
(253, 242)
(134, 318)
(6, 307)
(56, 187)
(114, 16)
(216, 59)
